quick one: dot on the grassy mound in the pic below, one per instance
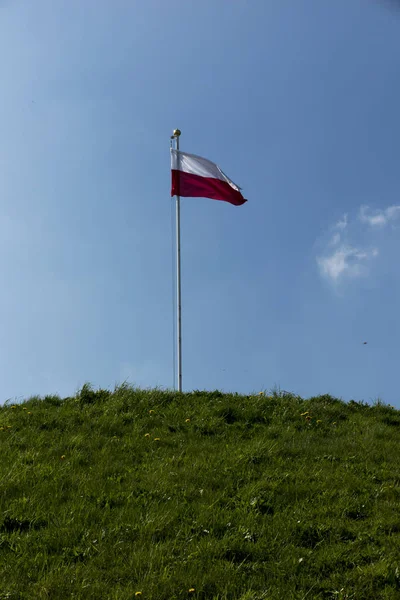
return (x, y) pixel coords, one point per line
(159, 495)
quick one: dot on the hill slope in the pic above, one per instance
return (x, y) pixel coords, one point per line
(202, 495)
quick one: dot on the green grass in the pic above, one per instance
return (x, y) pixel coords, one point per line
(249, 499)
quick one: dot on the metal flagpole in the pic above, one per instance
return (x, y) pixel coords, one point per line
(176, 135)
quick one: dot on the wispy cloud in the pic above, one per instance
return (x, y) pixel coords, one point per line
(379, 217)
(335, 239)
(345, 261)
(342, 224)
(343, 256)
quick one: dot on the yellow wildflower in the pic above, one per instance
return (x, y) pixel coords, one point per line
(156, 439)
(334, 423)
(151, 411)
(63, 456)
(187, 420)
(146, 435)
(138, 593)
(29, 412)
(24, 408)
(319, 421)
(304, 414)
(13, 407)
(191, 590)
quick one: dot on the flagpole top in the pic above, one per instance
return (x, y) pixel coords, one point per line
(176, 133)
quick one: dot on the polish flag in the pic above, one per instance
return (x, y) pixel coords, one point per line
(196, 177)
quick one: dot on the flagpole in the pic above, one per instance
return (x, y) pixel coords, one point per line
(176, 135)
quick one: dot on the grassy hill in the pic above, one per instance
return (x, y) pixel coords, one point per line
(162, 496)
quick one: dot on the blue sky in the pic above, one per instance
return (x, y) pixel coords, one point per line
(297, 101)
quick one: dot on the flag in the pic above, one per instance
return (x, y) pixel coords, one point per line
(196, 177)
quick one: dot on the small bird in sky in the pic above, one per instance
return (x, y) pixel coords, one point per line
(365, 343)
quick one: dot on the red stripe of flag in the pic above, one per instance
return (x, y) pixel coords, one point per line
(196, 186)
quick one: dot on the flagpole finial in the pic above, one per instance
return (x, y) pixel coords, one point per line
(177, 132)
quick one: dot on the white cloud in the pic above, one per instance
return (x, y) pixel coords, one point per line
(342, 224)
(335, 239)
(379, 217)
(342, 256)
(345, 261)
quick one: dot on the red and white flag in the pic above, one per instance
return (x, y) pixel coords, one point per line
(196, 177)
